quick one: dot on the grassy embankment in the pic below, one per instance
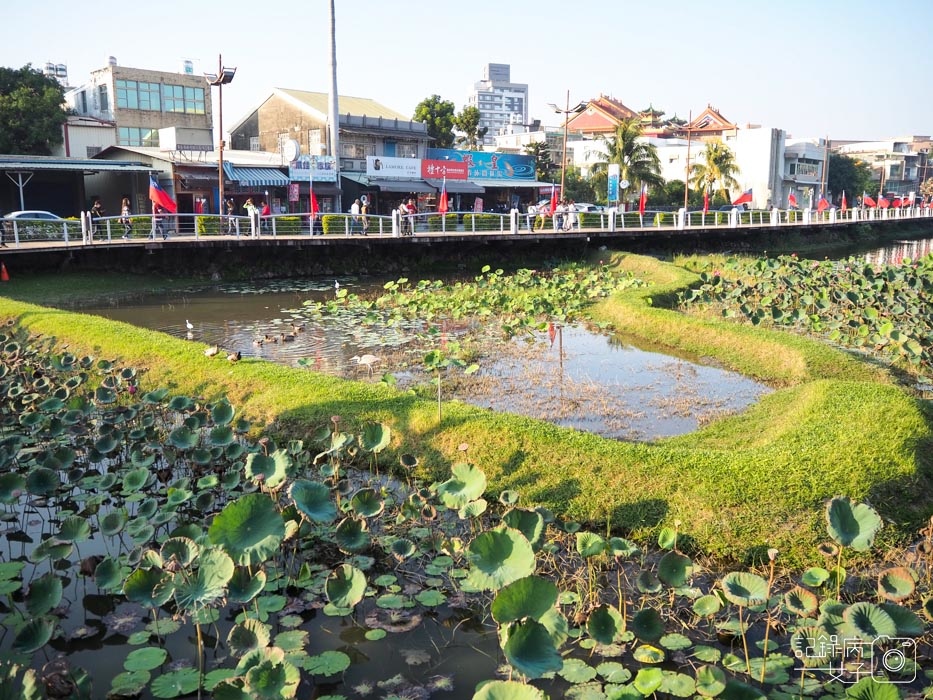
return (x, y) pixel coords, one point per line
(758, 480)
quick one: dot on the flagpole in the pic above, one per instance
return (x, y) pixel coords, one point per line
(687, 173)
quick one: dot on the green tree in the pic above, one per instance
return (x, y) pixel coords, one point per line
(471, 133)
(438, 114)
(541, 152)
(637, 160)
(715, 171)
(31, 112)
(848, 175)
(578, 188)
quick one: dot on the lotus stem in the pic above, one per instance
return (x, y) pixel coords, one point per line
(197, 627)
(764, 661)
(748, 663)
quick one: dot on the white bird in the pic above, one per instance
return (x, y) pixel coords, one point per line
(189, 325)
(367, 360)
(211, 351)
(336, 286)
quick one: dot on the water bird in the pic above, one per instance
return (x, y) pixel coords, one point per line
(211, 351)
(287, 337)
(259, 341)
(298, 327)
(367, 360)
(234, 356)
(336, 286)
(189, 325)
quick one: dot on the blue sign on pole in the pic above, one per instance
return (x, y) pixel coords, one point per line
(613, 194)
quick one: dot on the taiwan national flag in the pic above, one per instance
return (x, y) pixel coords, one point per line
(792, 200)
(553, 207)
(314, 205)
(845, 204)
(744, 198)
(883, 203)
(705, 201)
(896, 202)
(643, 199)
(160, 196)
(868, 201)
(442, 202)
(822, 205)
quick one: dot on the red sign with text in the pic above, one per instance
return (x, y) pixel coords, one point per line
(439, 169)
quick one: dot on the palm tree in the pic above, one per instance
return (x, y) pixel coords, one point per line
(717, 166)
(638, 161)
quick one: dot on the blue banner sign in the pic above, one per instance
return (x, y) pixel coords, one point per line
(482, 165)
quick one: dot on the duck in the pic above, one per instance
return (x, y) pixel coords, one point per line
(259, 341)
(298, 327)
(234, 356)
(287, 337)
(211, 351)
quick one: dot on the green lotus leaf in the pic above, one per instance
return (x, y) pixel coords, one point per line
(675, 569)
(614, 672)
(509, 497)
(707, 605)
(146, 508)
(129, 683)
(815, 576)
(34, 635)
(467, 483)
(473, 509)
(106, 444)
(680, 685)
(852, 525)
(745, 589)
(352, 535)
(907, 623)
(42, 482)
(250, 528)
(183, 438)
(175, 497)
(499, 557)
(529, 522)
(577, 671)
(51, 405)
(605, 624)
(375, 437)
(248, 636)
(402, 548)
(345, 586)
(667, 538)
(113, 522)
(366, 503)
(209, 582)
(149, 587)
(675, 642)
(109, 574)
(590, 545)
(145, 659)
(52, 549)
(103, 395)
(868, 621)
(647, 625)
(32, 420)
(531, 596)
(530, 649)
(507, 690)
(234, 452)
(648, 680)
(222, 435)
(12, 486)
(928, 607)
(872, 689)
(155, 397)
(710, 655)
(244, 585)
(431, 598)
(222, 412)
(135, 479)
(11, 569)
(647, 582)
(181, 403)
(269, 470)
(176, 683)
(710, 681)
(273, 679)
(896, 584)
(74, 529)
(800, 601)
(328, 663)
(182, 550)
(45, 593)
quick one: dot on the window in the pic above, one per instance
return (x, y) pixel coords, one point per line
(93, 151)
(136, 136)
(254, 143)
(406, 150)
(132, 94)
(194, 100)
(82, 102)
(173, 98)
(104, 102)
(348, 149)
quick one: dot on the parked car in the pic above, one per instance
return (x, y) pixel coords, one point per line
(32, 214)
(29, 223)
(587, 207)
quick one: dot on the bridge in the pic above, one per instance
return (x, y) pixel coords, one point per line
(37, 235)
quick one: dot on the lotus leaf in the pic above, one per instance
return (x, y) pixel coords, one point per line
(473, 509)
(183, 438)
(531, 596)
(106, 444)
(180, 403)
(249, 528)
(868, 621)
(675, 569)
(12, 486)
(647, 582)
(244, 585)
(530, 649)
(135, 480)
(908, 624)
(145, 659)
(648, 680)
(293, 641)
(248, 636)
(103, 395)
(431, 598)
(34, 635)
(872, 689)
(402, 548)
(499, 557)
(577, 671)
(109, 574)
(710, 681)
(590, 545)
(675, 642)
(182, 550)
(129, 683)
(467, 483)
(11, 569)
(42, 482)
(647, 625)
(375, 437)
(113, 522)
(345, 586)
(328, 663)
(815, 576)
(707, 605)
(222, 413)
(176, 683)
(710, 655)
(352, 535)
(366, 503)
(800, 601)
(896, 584)
(507, 690)
(852, 525)
(745, 589)
(677, 684)
(613, 672)
(149, 587)
(45, 593)
(529, 522)
(50, 549)
(605, 624)
(270, 470)
(215, 569)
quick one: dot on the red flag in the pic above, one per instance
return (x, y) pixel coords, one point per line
(161, 197)
(643, 199)
(314, 206)
(845, 205)
(792, 200)
(553, 207)
(883, 203)
(896, 202)
(868, 201)
(744, 198)
(705, 201)
(822, 205)
(442, 202)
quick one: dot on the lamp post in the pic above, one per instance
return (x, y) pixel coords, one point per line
(563, 156)
(221, 78)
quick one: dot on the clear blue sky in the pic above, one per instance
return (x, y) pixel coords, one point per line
(847, 69)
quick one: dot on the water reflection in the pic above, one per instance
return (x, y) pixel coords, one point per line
(895, 253)
(578, 378)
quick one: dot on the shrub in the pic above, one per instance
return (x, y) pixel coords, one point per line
(207, 224)
(288, 225)
(335, 223)
(482, 222)
(434, 222)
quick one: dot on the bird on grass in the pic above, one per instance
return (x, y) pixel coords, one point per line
(234, 356)
(367, 360)
(211, 351)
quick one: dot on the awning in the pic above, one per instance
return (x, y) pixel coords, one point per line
(390, 185)
(25, 164)
(502, 182)
(458, 186)
(255, 177)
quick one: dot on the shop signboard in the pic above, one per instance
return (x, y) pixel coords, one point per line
(313, 168)
(483, 165)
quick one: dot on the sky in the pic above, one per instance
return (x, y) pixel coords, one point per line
(843, 69)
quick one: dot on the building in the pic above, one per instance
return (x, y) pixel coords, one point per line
(898, 164)
(85, 137)
(139, 102)
(499, 100)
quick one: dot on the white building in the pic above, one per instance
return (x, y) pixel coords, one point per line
(499, 100)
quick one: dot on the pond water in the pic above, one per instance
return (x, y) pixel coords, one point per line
(580, 378)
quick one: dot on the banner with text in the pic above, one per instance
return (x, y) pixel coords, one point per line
(489, 166)
(317, 168)
(439, 169)
(386, 166)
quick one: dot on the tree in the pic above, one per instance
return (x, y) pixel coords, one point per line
(637, 160)
(541, 152)
(438, 114)
(717, 167)
(471, 133)
(576, 187)
(31, 112)
(848, 175)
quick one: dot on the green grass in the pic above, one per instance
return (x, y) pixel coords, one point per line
(837, 427)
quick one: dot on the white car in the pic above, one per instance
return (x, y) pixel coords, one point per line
(33, 215)
(587, 207)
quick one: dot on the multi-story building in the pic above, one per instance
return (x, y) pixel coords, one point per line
(139, 101)
(898, 165)
(499, 100)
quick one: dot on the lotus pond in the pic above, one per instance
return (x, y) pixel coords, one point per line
(203, 563)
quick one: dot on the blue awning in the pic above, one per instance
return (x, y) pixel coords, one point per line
(255, 177)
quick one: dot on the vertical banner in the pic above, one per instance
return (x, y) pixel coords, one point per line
(613, 189)
(293, 192)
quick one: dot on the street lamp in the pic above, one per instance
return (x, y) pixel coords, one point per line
(220, 78)
(563, 156)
